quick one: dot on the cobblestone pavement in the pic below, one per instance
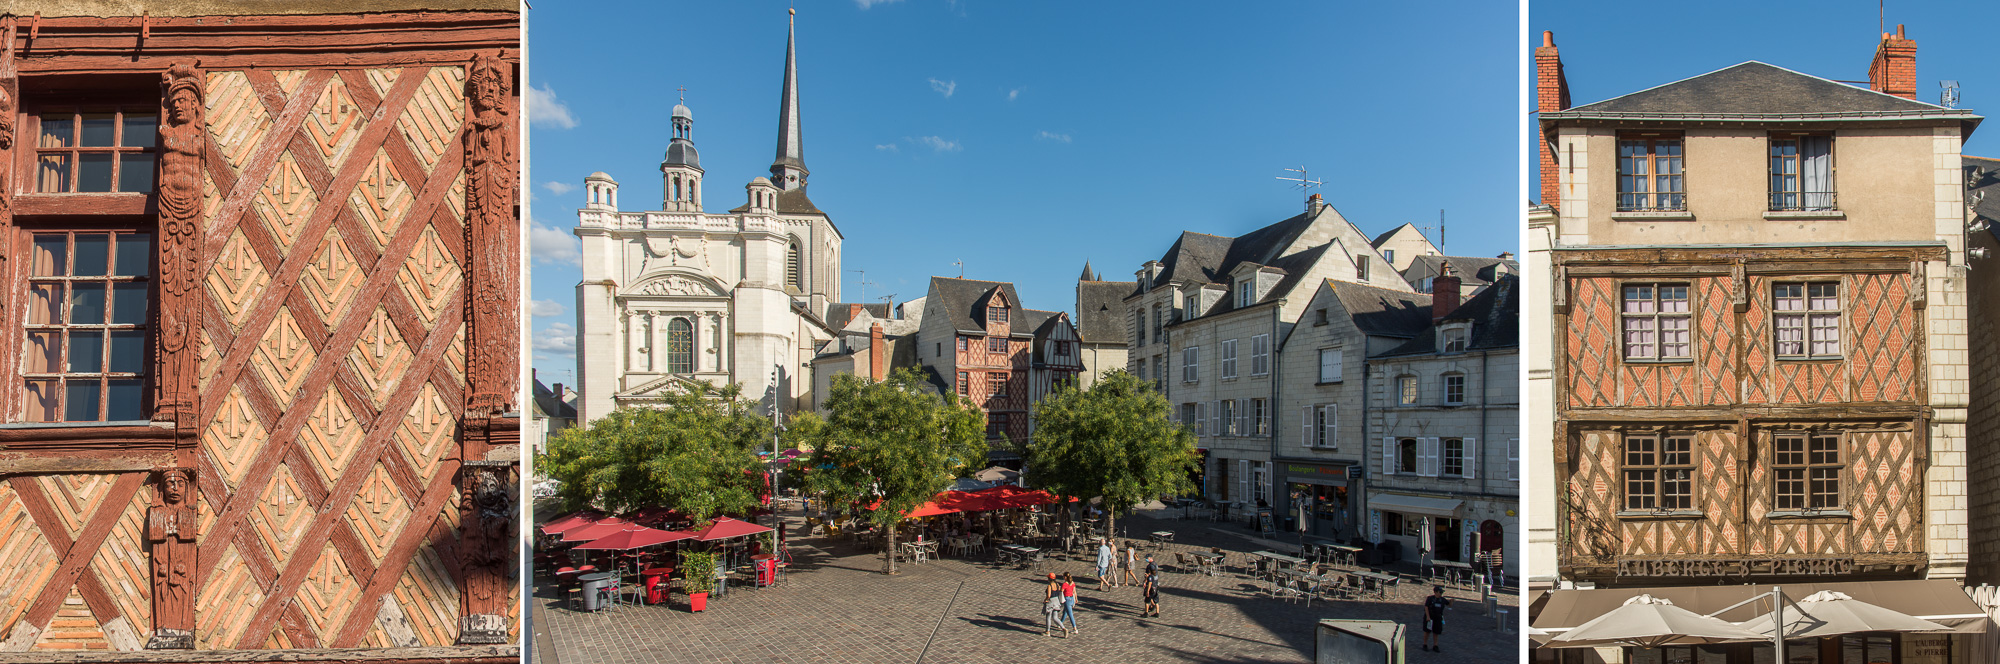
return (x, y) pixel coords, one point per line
(836, 605)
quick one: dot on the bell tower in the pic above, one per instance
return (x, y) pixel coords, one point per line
(681, 170)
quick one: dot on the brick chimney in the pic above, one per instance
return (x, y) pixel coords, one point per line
(1444, 293)
(875, 350)
(1894, 70)
(1551, 94)
(1313, 204)
(854, 311)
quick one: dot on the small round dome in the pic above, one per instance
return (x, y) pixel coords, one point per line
(763, 181)
(681, 111)
(600, 175)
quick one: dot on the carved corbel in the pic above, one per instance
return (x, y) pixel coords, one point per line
(1739, 287)
(1920, 286)
(170, 539)
(183, 141)
(1559, 290)
(487, 515)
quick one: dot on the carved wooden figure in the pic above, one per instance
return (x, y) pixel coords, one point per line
(170, 536)
(184, 141)
(489, 237)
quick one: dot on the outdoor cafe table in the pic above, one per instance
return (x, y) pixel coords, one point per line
(1279, 557)
(1018, 553)
(1162, 537)
(1379, 581)
(1207, 560)
(655, 580)
(1348, 555)
(1454, 571)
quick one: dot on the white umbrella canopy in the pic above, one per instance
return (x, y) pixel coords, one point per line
(1648, 622)
(1831, 613)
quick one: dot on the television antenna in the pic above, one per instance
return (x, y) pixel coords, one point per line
(1304, 181)
(961, 268)
(1948, 97)
(865, 283)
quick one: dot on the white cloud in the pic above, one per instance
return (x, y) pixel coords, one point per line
(540, 308)
(545, 110)
(870, 3)
(556, 339)
(889, 146)
(944, 87)
(549, 245)
(1052, 136)
(1014, 93)
(558, 188)
(938, 144)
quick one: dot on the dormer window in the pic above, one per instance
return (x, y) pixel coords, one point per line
(1361, 268)
(1246, 290)
(1452, 340)
(996, 314)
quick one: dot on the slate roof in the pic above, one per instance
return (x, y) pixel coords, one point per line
(1380, 312)
(1472, 270)
(1100, 311)
(1295, 268)
(1496, 321)
(1988, 182)
(839, 314)
(1384, 237)
(1756, 90)
(546, 401)
(790, 201)
(964, 303)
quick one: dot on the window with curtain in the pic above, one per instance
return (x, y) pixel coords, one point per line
(95, 150)
(680, 346)
(1659, 472)
(1649, 174)
(1801, 172)
(89, 301)
(1654, 319)
(1806, 320)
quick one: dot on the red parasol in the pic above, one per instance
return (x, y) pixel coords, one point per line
(574, 520)
(725, 528)
(633, 539)
(597, 530)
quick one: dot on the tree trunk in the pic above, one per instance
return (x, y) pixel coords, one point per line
(889, 552)
(1110, 523)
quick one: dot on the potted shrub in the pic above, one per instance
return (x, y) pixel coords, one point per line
(697, 578)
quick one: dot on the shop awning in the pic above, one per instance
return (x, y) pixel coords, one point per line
(1407, 504)
(1937, 600)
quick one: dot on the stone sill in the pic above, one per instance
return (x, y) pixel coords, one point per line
(1670, 215)
(1792, 215)
(1650, 515)
(1809, 514)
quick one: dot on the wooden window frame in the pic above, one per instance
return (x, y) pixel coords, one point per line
(1818, 478)
(964, 343)
(964, 383)
(31, 157)
(996, 345)
(1808, 319)
(1658, 319)
(1260, 417)
(1407, 391)
(1445, 385)
(20, 327)
(1655, 464)
(1191, 364)
(1446, 457)
(996, 315)
(996, 384)
(1653, 197)
(1799, 196)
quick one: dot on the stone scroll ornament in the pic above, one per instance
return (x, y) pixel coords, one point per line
(170, 539)
(183, 140)
(492, 246)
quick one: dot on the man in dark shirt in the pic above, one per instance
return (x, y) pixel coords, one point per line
(1434, 607)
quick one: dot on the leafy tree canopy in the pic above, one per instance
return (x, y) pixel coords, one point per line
(1113, 440)
(696, 453)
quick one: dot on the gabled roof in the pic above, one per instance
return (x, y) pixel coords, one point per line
(1029, 321)
(1384, 237)
(1048, 324)
(1295, 268)
(1496, 321)
(1757, 91)
(551, 405)
(1380, 312)
(1208, 259)
(1471, 270)
(1100, 311)
(964, 302)
(839, 314)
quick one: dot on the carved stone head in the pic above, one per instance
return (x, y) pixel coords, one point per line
(183, 94)
(484, 83)
(173, 484)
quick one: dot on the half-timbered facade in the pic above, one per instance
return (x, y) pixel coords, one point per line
(260, 320)
(976, 340)
(1758, 370)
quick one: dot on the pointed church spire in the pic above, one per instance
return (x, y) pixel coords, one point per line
(1087, 276)
(789, 170)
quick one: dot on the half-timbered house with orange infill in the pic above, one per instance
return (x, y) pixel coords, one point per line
(261, 268)
(1759, 345)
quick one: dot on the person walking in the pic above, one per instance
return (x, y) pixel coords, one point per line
(1052, 605)
(1069, 602)
(1104, 557)
(1150, 591)
(1434, 607)
(1132, 562)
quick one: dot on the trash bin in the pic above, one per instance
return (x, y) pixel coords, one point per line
(592, 584)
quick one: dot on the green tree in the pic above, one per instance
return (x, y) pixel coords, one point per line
(1113, 440)
(892, 440)
(696, 453)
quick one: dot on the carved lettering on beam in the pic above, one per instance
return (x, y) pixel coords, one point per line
(184, 141)
(170, 534)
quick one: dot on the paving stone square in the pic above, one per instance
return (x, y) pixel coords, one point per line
(835, 605)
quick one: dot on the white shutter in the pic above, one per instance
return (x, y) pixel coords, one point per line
(1333, 426)
(1514, 459)
(1200, 418)
(1471, 451)
(1243, 480)
(1215, 418)
(1243, 417)
(1388, 455)
(1306, 426)
(1427, 457)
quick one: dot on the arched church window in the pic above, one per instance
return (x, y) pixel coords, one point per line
(793, 268)
(675, 190)
(680, 346)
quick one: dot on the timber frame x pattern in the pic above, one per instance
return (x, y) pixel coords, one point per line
(324, 451)
(1729, 403)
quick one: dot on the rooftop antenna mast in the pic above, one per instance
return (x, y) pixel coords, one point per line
(961, 268)
(1303, 182)
(864, 282)
(1948, 97)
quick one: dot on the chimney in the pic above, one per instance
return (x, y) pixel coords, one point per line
(854, 311)
(1551, 94)
(1506, 255)
(1313, 204)
(875, 351)
(1444, 293)
(1894, 70)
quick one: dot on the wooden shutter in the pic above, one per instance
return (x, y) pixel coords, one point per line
(1427, 457)
(1306, 426)
(1200, 418)
(1243, 480)
(1332, 426)
(1470, 448)
(1514, 459)
(1388, 455)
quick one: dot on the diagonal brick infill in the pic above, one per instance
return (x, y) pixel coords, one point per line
(836, 605)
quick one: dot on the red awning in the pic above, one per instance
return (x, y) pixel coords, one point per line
(633, 539)
(725, 528)
(573, 520)
(598, 530)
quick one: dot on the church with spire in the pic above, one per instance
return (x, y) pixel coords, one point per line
(686, 293)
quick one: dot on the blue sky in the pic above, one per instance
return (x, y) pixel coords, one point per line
(1024, 138)
(1611, 49)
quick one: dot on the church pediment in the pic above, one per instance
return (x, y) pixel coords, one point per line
(656, 388)
(683, 285)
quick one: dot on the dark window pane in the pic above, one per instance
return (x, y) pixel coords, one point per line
(41, 403)
(45, 304)
(93, 172)
(142, 130)
(52, 174)
(86, 304)
(58, 131)
(135, 255)
(135, 172)
(51, 257)
(126, 400)
(44, 353)
(80, 401)
(92, 253)
(128, 303)
(128, 351)
(86, 351)
(99, 130)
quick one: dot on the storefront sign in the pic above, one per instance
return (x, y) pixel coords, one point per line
(1735, 567)
(1926, 649)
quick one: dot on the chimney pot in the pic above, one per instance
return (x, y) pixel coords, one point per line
(1548, 39)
